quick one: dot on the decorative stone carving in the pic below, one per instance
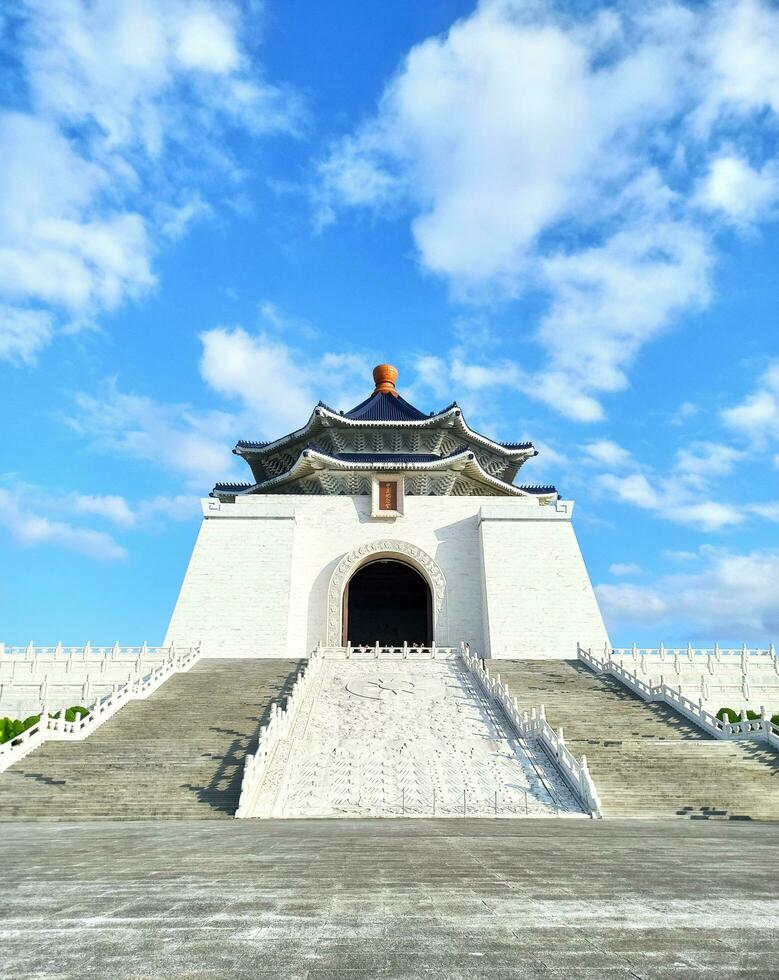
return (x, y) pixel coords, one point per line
(390, 547)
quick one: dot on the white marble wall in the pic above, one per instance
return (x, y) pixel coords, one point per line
(258, 580)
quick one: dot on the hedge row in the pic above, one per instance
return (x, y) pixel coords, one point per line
(732, 716)
(11, 728)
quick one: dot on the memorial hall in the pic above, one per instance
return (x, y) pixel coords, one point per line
(386, 524)
(384, 621)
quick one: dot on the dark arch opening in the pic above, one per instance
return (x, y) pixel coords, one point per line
(388, 601)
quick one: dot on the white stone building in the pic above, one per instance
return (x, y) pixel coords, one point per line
(386, 524)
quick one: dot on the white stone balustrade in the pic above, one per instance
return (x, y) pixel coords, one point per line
(759, 729)
(573, 770)
(378, 652)
(104, 707)
(278, 726)
(733, 678)
(64, 676)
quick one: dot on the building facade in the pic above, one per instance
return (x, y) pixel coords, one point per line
(384, 524)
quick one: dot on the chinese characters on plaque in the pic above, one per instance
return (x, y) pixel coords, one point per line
(388, 495)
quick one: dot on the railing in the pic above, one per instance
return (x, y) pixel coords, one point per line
(278, 727)
(79, 653)
(103, 708)
(21, 668)
(716, 652)
(378, 652)
(757, 729)
(573, 770)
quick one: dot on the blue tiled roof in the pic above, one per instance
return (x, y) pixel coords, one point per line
(539, 489)
(516, 445)
(248, 444)
(382, 407)
(229, 487)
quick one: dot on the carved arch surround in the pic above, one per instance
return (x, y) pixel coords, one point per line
(390, 548)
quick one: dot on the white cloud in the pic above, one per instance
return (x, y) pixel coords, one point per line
(626, 568)
(114, 508)
(735, 595)
(609, 453)
(31, 529)
(542, 149)
(275, 387)
(701, 461)
(278, 385)
(671, 500)
(206, 41)
(757, 416)
(117, 149)
(681, 556)
(768, 510)
(743, 194)
(23, 333)
(173, 437)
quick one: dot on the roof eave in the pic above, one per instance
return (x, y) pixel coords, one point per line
(305, 464)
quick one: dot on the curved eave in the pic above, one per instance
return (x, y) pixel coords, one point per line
(311, 460)
(324, 417)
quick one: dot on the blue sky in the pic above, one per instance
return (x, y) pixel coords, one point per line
(561, 215)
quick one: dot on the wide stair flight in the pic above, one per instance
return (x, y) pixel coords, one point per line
(179, 753)
(644, 758)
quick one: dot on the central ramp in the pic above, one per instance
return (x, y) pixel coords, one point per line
(405, 737)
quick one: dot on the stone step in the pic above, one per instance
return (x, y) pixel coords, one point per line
(178, 753)
(645, 759)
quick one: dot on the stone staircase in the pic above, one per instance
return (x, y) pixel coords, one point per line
(179, 753)
(645, 759)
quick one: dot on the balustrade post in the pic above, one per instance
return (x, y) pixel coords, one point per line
(30, 651)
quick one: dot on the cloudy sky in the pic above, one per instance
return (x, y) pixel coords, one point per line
(561, 214)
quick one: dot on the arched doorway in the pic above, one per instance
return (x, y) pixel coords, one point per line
(389, 601)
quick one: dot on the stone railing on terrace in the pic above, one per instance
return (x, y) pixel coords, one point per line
(103, 708)
(61, 676)
(534, 723)
(756, 729)
(378, 652)
(720, 677)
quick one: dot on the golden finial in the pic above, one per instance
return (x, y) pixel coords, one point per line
(385, 376)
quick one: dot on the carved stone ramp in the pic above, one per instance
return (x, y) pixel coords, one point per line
(177, 754)
(644, 758)
(405, 737)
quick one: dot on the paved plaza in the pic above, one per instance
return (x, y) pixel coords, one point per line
(399, 898)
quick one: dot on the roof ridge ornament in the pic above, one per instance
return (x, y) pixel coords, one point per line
(384, 377)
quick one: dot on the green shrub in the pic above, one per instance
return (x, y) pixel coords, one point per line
(728, 714)
(70, 713)
(11, 728)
